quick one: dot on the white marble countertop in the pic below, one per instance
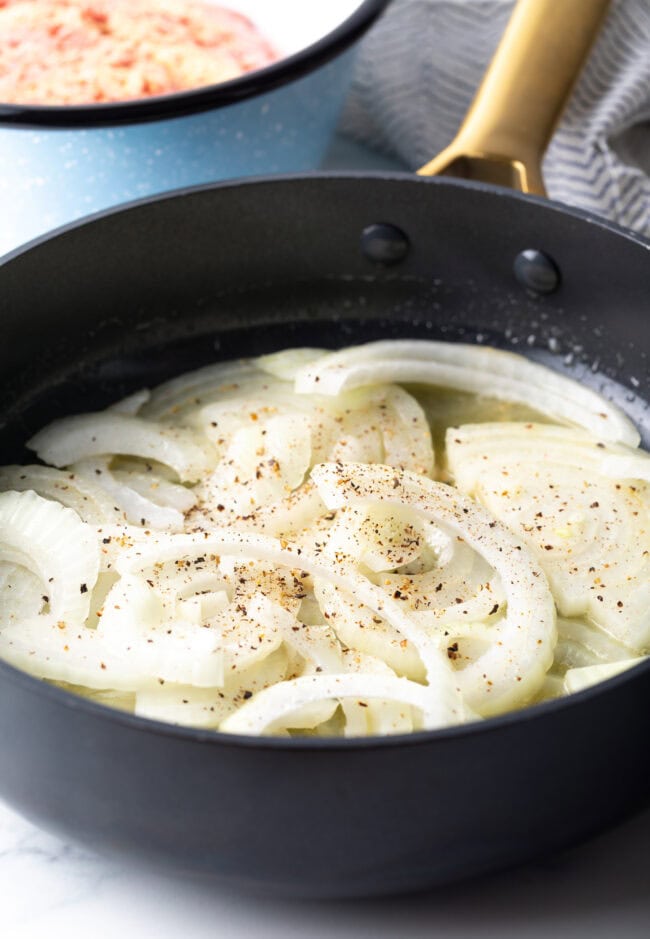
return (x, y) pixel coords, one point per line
(50, 888)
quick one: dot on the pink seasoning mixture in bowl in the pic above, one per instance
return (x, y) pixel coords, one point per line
(59, 52)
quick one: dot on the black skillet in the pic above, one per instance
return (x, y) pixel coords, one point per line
(134, 296)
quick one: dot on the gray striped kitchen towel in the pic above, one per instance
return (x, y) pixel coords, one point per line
(419, 68)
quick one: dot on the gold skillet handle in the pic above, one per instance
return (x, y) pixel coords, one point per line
(523, 94)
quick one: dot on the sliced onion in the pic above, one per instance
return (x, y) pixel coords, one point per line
(591, 536)
(132, 403)
(576, 679)
(359, 628)
(91, 503)
(137, 618)
(384, 603)
(113, 539)
(174, 399)
(381, 539)
(473, 368)
(207, 707)
(582, 644)
(286, 518)
(79, 437)
(472, 446)
(21, 593)
(375, 716)
(443, 691)
(156, 489)
(274, 706)
(131, 609)
(627, 466)
(588, 526)
(288, 362)
(261, 465)
(439, 578)
(54, 544)
(317, 645)
(513, 667)
(405, 431)
(48, 648)
(135, 508)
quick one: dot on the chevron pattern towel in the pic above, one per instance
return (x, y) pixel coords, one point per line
(420, 66)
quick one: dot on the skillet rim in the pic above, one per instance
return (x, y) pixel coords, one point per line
(61, 696)
(403, 176)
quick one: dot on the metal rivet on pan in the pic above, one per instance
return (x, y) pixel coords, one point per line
(384, 244)
(536, 271)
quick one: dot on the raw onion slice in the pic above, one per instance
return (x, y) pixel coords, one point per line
(576, 679)
(591, 536)
(627, 466)
(287, 518)
(175, 399)
(207, 707)
(250, 632)
(317, 649)
(581, 644)
(247, 578)
(358, 627)
(437, 576)
(442, 688)
(272, 708)
(54, 544)
(132, 403)
(156, 489)
(472, 446)
(380, 539)
(254, 407)
(473, 368)
(21, 593)
(405, 431)
(383, 422)
(375, 716)
(288, 362)
(261, 465)
(91, 503)
(513, 667)
(135, 645)
(317, 645)
(113, 539)
(137, 618)
(81, 436)
(135, 508)
(48, 648)
(589, 528)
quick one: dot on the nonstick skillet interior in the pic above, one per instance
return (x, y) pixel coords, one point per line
(136, 296)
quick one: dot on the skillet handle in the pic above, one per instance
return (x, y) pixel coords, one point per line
(512, 118)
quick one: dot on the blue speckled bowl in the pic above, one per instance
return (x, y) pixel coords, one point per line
(60, 163)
